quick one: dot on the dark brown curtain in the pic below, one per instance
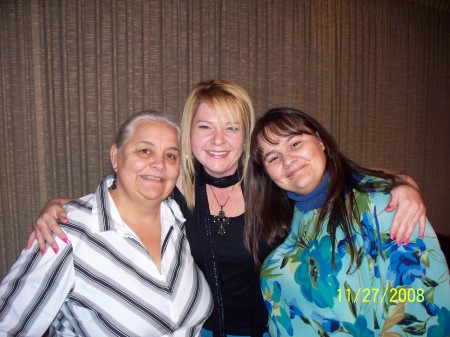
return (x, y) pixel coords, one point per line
(375, 72)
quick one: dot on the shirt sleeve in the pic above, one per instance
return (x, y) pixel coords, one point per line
(34, 289)
(415, 279)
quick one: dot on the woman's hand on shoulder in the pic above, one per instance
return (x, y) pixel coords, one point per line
(410, 211)
(46, 224)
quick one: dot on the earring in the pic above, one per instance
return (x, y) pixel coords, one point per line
(114, 183)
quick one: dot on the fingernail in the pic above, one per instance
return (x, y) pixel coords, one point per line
(422, 235)
(43, 251)
(27, 246)
(65, 239)
(56, 250)
(406, 241)
(393, 236)
(399, 243)
(388, 208)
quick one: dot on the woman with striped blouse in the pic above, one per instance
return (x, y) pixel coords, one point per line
(126, 268)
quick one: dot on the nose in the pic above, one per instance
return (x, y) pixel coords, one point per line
(287, 160)
(159, 163)
(218, 137)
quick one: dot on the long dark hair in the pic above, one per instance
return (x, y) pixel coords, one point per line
(269, 210)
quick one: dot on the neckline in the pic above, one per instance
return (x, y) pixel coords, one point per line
(313, 200)
(221, 182)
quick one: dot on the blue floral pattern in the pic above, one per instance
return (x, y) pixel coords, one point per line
(317, 280)
(359, 328)
(405, 264)
(442, 328)
(389, 291)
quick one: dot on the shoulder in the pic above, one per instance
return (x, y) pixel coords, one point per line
(83, 216)
(81, 205)
(178, 196)
(181, 201)
(93, 209)
(371, 209)
(373, 197)
(171, 212)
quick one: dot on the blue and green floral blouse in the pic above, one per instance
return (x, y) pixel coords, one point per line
(395, 291)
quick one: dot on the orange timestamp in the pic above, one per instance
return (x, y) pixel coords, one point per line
(371, 295)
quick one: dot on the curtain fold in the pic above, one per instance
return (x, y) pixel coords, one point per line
(376, 73)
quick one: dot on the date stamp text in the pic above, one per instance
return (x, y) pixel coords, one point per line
(371, 295)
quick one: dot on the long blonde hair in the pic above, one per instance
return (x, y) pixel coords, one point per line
(223, 97)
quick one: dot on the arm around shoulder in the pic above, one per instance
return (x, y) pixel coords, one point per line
(46, 224)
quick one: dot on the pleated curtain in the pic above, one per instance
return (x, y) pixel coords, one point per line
(376, 73)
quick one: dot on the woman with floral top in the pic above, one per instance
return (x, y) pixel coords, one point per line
(334, 269)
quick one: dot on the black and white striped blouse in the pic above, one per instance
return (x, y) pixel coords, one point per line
(104, 282)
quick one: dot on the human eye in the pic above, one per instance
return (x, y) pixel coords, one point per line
(143, 151)
(203, 126)
(232, 128)
(271, 159)
(171, 156)
(296, 142)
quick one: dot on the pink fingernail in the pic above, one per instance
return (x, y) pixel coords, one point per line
(406, 241)
(43, 251)
(56, 250)
(388, 208)
(399, 243)
(422, 235)
(393, 236)
(66, 240)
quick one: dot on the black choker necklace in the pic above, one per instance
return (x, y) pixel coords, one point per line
(218, 182)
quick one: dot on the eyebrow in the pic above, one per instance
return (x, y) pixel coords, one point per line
(268, 154)
(273, 151)
(212, 122)
(152, 144)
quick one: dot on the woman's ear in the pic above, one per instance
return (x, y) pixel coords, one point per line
(113, 156)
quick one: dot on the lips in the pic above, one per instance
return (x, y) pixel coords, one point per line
(295, 171)
(154, 178)
(217, 154)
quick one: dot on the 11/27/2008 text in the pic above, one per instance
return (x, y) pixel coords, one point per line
(394, 295)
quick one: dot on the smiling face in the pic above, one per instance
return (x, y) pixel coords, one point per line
(148, 163)
(216, 142)
(295, 163)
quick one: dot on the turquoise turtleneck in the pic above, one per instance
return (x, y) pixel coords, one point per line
(312, 200)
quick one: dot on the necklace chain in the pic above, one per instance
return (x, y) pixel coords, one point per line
(226, 201)
(221, 219)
